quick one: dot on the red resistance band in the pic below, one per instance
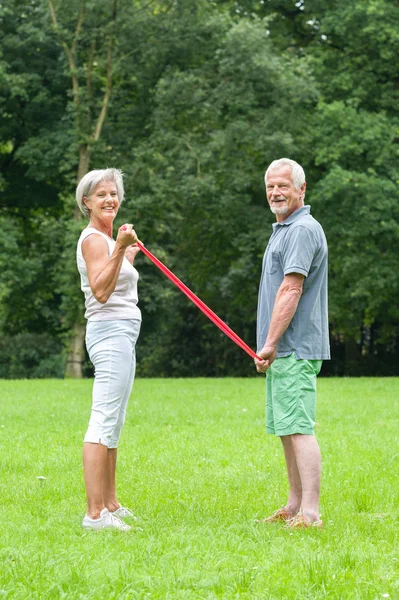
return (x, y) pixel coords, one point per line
(201, 305)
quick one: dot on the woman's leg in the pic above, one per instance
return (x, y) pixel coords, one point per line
(109, 350)
(109, 488)
(109, 491)
(94, 465)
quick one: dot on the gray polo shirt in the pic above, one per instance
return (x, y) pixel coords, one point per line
(297, 245)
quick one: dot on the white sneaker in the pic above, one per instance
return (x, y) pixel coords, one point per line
(123, 512)
(107, 520)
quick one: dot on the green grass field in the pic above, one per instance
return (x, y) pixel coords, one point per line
(197, 468)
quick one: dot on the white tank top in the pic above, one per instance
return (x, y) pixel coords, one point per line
(122, 303)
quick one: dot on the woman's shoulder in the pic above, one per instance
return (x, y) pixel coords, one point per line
(94, 234)
(91, 239)
(90, 231)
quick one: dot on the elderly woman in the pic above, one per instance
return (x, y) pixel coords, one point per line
(109, 283)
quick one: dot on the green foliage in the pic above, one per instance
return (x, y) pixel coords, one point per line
(364, 259)
(355, 154)
(199, 179)
(204, 95)
(358, 50)
(66, 278)
(33, 97)
(28, 253)
(30, 356)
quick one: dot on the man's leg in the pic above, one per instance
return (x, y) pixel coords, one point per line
(295, 493)
(295, 490)
(308, 461)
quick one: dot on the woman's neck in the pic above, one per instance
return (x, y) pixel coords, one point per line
(100, 226)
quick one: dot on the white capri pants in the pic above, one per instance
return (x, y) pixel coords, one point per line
(112, 349)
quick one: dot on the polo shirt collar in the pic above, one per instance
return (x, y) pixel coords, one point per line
(298, 214)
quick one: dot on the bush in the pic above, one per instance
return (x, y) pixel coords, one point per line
(31, 356)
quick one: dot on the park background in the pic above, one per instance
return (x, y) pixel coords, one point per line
(192, 100)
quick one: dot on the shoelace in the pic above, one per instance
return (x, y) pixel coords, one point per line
(124, 512)
(117, 520)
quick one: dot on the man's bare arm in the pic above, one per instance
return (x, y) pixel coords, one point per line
(284, 309)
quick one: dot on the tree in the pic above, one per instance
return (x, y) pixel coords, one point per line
(96, 41)
(90, 56)
(192, 100)
(217, 123)
(353, 57)
(30, 103)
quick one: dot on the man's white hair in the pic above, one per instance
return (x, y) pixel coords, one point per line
(298, 174)
(91, 180)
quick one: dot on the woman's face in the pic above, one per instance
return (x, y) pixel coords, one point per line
(103, 202)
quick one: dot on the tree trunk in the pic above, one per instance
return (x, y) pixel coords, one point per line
(75, 351)
(84, 160)
(83, 168)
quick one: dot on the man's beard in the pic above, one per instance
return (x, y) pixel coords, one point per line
(279, 210)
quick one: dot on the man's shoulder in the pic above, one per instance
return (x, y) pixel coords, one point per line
(306, 220)
(309, 224)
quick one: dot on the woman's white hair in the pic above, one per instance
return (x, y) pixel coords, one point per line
(91, 180)
(298, 174)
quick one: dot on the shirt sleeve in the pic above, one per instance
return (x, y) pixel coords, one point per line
(299, 251)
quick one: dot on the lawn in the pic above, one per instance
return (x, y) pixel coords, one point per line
(197, 468)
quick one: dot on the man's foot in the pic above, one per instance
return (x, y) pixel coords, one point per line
(123, 512)
(106, 521)
(301, 521)
(280, 515)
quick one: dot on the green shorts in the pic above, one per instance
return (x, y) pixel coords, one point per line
(291, 396)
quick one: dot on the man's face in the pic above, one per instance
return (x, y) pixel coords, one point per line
(282, 196)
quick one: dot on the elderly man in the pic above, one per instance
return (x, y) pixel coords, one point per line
(292, 336)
